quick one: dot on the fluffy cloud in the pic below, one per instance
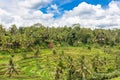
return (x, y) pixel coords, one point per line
(26, 12)
(23, 12)
(53, 9)
(92, 16)
(35, 4)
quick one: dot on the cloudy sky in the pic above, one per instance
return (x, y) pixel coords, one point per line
(88, 13)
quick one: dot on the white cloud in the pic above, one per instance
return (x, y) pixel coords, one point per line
(53, 9)
(23, 12)
(92, 16)
(33, 3)
(26, 12)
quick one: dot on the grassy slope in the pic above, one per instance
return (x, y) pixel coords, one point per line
(47, 61)
(116, 78)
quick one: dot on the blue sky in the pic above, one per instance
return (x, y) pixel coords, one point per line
(70, 4)
(87, 13)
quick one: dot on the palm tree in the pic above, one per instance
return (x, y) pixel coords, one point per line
(96, 62)
(83, 69)
(13, 29)
(36, 54)
(11, 68)
(71, 68)
(117, 61)
(59, 69)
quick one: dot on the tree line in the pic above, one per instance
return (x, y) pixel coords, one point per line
(37, 34)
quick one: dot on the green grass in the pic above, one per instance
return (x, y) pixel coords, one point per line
(43, 68)
(116, 78)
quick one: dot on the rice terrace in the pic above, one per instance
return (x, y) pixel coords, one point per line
(59, 40)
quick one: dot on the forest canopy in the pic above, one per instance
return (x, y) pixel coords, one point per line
(43, 36)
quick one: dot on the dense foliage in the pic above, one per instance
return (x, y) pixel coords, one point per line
(60, 36)
(59, 53)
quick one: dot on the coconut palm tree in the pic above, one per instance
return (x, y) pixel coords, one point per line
(11, 69)
(96, 62)
(83, 71)
(71, 68)
(117, 61)
(36, 54)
